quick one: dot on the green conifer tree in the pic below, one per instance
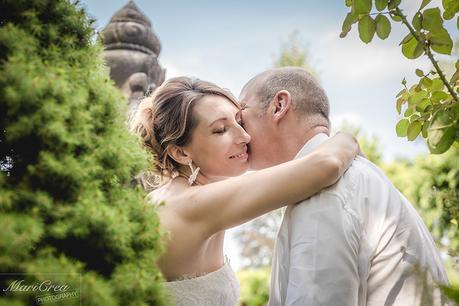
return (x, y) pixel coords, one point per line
(67, 160)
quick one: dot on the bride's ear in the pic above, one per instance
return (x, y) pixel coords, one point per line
(178, 154)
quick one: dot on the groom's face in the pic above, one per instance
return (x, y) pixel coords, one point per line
(257, 125)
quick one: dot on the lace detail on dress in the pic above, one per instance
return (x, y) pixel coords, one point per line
(218, 288)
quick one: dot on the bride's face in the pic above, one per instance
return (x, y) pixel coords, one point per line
(218, 143)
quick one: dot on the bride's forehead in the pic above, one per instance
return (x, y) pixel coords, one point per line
(215, 105)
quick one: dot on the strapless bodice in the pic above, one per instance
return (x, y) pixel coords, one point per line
(217, 288)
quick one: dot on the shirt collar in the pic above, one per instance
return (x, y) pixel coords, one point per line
(311, 144)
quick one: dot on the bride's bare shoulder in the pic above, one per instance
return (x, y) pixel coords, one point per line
(168, 194)
(169, 201)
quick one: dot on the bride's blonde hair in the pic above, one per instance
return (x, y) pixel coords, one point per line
(166, 118)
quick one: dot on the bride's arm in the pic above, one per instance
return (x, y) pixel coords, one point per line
(221, 205)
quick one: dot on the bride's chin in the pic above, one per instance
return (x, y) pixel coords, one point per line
(238, 172)
(243, 170)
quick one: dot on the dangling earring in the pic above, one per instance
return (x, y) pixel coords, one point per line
(194, 173)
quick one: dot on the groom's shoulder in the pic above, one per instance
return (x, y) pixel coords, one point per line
(362, 172)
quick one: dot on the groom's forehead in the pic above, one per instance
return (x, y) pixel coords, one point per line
(249, 102)
(247, 99)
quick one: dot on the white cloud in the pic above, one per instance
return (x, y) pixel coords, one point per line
(350, 61)
(345, 117)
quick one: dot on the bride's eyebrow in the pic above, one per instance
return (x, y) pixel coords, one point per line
(220, 119)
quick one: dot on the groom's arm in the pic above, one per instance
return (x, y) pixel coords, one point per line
(323, 253)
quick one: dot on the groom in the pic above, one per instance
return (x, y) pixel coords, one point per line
(358, 242)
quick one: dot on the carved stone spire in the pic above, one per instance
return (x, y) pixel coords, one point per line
(131, 49)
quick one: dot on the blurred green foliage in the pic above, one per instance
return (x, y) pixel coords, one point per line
(254, 286)
(67, 162)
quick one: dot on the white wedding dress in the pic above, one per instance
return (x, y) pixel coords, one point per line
(218, 288)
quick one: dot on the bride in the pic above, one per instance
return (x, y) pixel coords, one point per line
(195, 130)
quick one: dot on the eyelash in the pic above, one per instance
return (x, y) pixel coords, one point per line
(220, 131)
(223, 130)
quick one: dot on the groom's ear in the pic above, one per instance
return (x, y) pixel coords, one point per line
(280, 105)
(178, 154)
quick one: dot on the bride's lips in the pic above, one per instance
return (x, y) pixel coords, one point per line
(240, 156)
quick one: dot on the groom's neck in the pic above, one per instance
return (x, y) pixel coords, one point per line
(319, 129)
(309, 134)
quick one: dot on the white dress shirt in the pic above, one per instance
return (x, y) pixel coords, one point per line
(358, 242)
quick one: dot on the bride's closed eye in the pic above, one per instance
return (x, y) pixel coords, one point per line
(220, 130)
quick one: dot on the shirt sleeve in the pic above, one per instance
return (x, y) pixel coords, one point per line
(324, 246)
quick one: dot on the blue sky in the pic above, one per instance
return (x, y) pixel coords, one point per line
(228, 42)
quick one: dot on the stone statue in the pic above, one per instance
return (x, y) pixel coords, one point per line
(131, 50)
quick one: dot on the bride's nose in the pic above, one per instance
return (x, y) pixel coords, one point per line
(243, 137)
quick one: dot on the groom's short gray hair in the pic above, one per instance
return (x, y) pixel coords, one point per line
(308, 97)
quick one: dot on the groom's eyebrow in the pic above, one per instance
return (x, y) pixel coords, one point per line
(239, 114)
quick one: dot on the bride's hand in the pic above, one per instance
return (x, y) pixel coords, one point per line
(344, 147)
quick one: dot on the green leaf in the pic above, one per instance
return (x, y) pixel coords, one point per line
(399, 104)
(404, 82)
(414, 89)
(431, 20)
(421, 106)
(362, 6)
(348, 3)
(402, 127)
(458, 22)
(441, 42)
(395, 17)
(426, 82)
(412, 49)
(382, 26)
(393, 4)
(441, 132)
(451, 8)
(380, 4)
(424, 3)
(367, 29)
(444, 143)
(406, 39)
(425, 129)
(419, 73)
(455, 110)
(347, 24)
(437, 85)
(455, 77)
(401, 92)
(409, 111)
(417, 21)
(413, 130)
(417, 97)
(438, 96)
